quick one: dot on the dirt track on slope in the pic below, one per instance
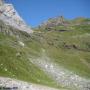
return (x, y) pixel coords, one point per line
(61, 75)
(10, 83)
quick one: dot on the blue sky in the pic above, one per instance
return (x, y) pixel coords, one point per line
(36, 11)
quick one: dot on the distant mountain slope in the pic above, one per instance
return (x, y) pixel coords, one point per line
(68, 45)
(66, 42)
(61, 21)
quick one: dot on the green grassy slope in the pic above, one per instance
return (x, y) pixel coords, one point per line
(69, 46)
(14, 61)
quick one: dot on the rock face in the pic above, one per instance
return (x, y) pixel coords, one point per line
(10, 16)
(57, 21)
(1, 2)
(61, 21)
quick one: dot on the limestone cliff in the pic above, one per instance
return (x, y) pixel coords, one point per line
(11, 17)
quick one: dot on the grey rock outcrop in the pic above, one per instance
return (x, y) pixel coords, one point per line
(9, 15)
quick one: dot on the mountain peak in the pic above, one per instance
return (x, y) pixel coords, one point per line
(10, 16)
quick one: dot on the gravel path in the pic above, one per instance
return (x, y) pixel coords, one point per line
(61, 75)
(13, 83)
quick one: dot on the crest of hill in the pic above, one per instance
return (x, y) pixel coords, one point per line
(62, 21)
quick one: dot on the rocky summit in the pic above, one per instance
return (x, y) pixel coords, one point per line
(11, 17)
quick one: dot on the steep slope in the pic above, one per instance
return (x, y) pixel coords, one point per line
(25, 56)
(15, 48)
(56, 54)
(11, 17)
(67, 45)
